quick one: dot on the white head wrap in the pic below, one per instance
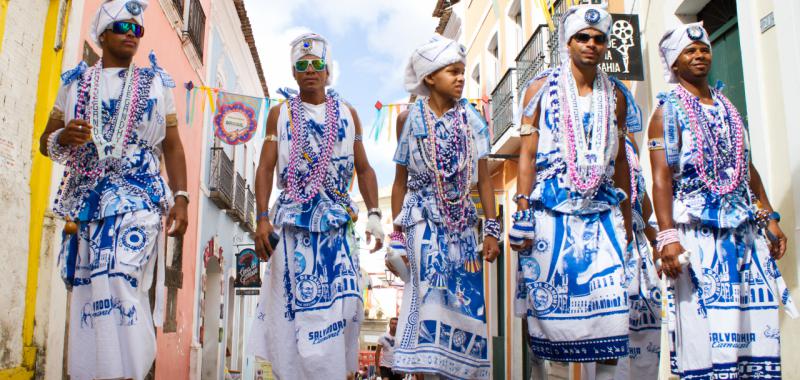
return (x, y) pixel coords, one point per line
(116, 10)
(674, 41)
(314, 44)
(435, 54)
(578, 18)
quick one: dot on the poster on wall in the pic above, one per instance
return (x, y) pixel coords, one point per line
(236, 118)
(624, 57)
(248, 270)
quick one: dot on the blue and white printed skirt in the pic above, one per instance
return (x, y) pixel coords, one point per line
(723, 310)
(570, 287)
(310, 308)
(644, 302)
(111, 333)
(442, 325)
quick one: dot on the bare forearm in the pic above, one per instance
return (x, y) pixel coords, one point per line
(368, 185)
(175, 163)
(264, 177)
(622, 179)
(399, 189)
(486, 190)
(527, 168)
(758, 189)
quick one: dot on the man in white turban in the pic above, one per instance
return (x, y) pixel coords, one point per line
(310, 308)
(573, 215)
(441, 154)
(109, 126)
(719, 235)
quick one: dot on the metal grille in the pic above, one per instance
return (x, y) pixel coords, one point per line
(531, 59)
(221, 179)
(178, 6)
(239, 198)
(502, 106)
(559, 7)
(197, 26)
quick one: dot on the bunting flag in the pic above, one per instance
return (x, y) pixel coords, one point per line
(236, 117)
(211, 96)
(386, 117)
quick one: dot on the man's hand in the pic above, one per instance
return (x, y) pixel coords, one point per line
(263, 248)
(669, 260)
(178, 217)
(375, 229)
(76, 133)
(490, 248)
(776, 240)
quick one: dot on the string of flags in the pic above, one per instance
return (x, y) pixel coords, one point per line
(237, 118)
(386, 117)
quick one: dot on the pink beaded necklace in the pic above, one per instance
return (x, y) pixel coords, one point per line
(465, 164)
(704, 138)
(300, 148)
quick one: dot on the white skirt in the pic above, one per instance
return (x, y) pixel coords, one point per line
(310, 308)
(723, 310)
(111, 334)
(570, 287)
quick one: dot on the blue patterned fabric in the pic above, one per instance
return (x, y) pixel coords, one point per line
(693, 202)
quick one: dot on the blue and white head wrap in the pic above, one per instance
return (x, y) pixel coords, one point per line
(578, 18)
(675, 40)
(116, 10)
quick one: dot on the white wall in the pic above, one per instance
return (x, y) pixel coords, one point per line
(19, 71)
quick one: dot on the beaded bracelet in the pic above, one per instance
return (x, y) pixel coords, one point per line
(491, 227)
(398, 237)
(666, 237)
(522, 216)
(263, 215)
(56, 151)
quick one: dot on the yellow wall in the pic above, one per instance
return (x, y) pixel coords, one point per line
(3, 9)
(49, 79)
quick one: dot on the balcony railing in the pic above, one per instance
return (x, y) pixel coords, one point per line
(239, 199)
(503, 105)
(197, 26)
(559, 8)
(531, 59)
(178, 6)
(250, 211)
(221, 179)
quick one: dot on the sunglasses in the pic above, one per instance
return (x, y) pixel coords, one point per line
(583, 38)
(123, 27)
(303, 64)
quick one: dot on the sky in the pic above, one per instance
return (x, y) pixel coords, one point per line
(371, 41)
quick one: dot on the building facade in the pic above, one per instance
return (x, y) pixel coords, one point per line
(510, 41)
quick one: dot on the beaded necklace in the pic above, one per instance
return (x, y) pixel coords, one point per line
(586, 156)
(450, 161)
(122, 121)
(712, 145)
(300, 150)
(633, 164)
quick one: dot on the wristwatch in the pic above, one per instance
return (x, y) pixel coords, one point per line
(182, 193)
(375, 211)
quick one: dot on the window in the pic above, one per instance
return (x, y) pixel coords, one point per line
(476, 80)
(494, 64)
(518, 39)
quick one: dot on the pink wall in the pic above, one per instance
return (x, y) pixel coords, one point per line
(172, 360)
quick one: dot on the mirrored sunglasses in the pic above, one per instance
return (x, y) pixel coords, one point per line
(303, 64)
(123, 27)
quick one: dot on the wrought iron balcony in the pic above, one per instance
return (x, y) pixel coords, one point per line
(221, 179)
(559, 8)
(239, 199)
(197, 26)
(531, 59)
(250, 211)
(178, 6)
(503, 105)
